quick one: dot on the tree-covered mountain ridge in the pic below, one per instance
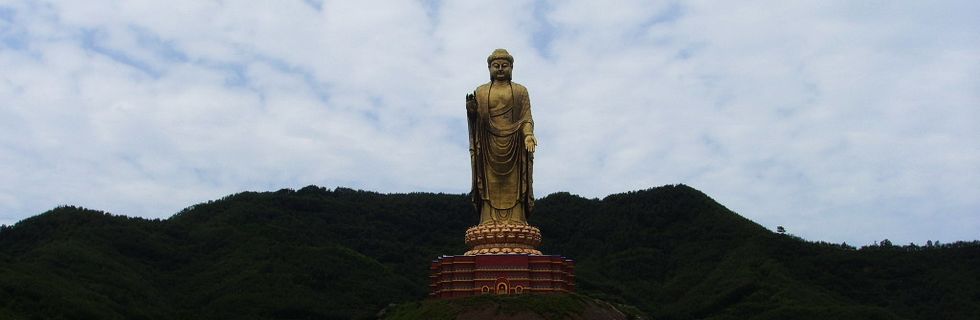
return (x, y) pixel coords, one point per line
(316, 253)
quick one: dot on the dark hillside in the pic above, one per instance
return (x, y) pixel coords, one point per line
(316, 253)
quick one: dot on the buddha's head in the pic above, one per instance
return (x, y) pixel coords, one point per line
(500, 64)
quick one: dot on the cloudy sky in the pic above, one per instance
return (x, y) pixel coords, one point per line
(842, 120)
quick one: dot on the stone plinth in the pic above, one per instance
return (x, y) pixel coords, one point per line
(469, 275)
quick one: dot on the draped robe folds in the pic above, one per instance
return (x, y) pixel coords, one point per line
(500, 161)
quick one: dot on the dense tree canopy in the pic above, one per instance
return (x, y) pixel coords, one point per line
(316, 253)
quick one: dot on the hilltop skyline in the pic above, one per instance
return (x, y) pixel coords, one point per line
(841, 121)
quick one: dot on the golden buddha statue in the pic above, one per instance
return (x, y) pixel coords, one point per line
(502, 143)
(503, 252)
(502, 147)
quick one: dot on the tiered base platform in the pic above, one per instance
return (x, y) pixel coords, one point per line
(470, 275)
(502, 239)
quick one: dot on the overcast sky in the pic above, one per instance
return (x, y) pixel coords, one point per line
(846, 121)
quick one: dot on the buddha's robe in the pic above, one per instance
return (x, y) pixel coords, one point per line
(500, 161)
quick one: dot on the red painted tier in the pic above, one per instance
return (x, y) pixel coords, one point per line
(462, 276)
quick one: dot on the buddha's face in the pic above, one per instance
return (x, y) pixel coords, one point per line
(500, 69)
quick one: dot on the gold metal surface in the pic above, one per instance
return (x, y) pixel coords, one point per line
(502, 145)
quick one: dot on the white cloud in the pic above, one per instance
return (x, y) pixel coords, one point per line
(840, 120)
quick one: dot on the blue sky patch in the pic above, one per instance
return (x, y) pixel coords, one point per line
(544, 32)
(93, 40)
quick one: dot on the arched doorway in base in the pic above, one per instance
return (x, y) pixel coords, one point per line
(502, 286)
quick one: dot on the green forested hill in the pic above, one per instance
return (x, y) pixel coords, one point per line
(315, 253)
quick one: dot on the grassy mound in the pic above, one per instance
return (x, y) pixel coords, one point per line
(512, 307)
